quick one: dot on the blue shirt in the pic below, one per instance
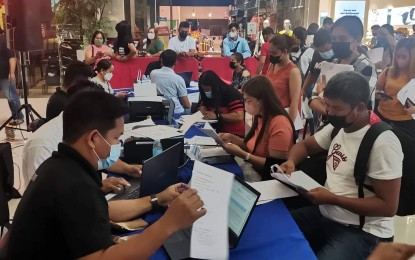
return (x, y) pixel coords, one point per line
(170, 85)
(243, 48)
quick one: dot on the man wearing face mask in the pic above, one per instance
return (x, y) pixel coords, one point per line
(64, 214)
(40, 146)
(333, 228)
(233, 43)
(346, 34)
(183, 44)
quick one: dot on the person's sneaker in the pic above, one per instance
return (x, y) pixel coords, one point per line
(16, 122)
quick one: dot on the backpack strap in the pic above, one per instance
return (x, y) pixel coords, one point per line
(362, 159)
(334, 132)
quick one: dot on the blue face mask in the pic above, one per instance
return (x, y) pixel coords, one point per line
(328, 55)
(208, 94)
(115, 153)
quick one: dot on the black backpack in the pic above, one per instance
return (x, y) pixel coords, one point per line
(407, 192)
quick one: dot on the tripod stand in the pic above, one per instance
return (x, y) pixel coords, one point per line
(29, 110)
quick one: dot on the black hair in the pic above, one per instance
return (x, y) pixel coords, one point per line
(83, 85)
(184, 25)
(238, 57)
(219, 90)
(350, 87)
(301, 34)
(3, 43)
(389, 28)
(90, 110)
(231, 25)
(328, 20)
(168, 58)
(282, 42)
(321, 38)
(260, 87)
(103, 64)
(312, 29)
(352, 24)
(76, 70)
(95, 35)
(124, 34)
(375, 27)
(267, 31)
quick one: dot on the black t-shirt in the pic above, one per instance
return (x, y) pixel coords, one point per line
(63, 213)
(315, 65)
(121, 46)
(56, 104)
(5, 56)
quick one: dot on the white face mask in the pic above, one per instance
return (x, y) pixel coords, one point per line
(108, 76)
(233, 34)
(151, 36)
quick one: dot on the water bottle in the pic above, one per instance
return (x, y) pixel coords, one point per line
(157, 148)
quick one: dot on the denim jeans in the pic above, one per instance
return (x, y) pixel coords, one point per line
(9, 90)
(332, 240)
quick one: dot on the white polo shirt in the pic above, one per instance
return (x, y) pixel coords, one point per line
(385, 163)
(182, 46)
(41, 145)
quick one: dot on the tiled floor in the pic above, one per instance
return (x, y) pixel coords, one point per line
(404, 226)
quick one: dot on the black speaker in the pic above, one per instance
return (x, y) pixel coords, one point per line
(26, 17)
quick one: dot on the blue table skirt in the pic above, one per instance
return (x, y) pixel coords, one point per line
(189, 91)
(271, 233)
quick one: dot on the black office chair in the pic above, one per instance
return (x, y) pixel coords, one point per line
(154, 65)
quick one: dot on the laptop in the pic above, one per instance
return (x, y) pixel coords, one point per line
(187, 76)
(241, 204)
(159, 172)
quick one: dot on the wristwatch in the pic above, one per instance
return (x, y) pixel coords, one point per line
(154, 201)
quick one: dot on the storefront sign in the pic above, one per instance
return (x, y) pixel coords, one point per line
(356, 8)
(403, 15)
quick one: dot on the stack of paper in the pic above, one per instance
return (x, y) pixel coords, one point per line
(272, 190)
(129, 126)
(157, 132)
(201, 140)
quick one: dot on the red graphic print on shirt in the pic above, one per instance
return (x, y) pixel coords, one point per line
(337, 156)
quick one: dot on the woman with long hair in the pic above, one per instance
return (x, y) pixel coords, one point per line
(392, 80)
(240, 73)
(124, 47)
(272, 133)
(98, 49)
(154, 46)
(222, 102)
(284, 74)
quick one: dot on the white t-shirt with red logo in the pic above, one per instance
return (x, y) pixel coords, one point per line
(385, 163)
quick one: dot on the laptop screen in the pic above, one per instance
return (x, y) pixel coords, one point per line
(240, 205)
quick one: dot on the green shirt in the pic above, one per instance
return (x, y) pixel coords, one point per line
(155, 47)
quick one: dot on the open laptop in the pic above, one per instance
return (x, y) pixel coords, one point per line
(241, 204)
(159, 172)
(187, 76)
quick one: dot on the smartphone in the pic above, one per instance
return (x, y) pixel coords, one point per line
(409, 103)
(384, 95)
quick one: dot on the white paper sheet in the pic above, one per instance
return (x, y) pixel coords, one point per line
(298, 123)
(193, 97)
(202, 140)
(330, 69)
(190, 120)
(272, 189)
(212, 133)
(375, 55)
(151, 99)
(157, 132)
(298, 179)
(209, 238)
(145, 90)
(194, 83)
(148, 122)
(407, 94)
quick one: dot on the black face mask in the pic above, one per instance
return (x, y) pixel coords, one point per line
(339, 121)
(232, 65)
(275, 59)
(341, 49)
(183, 35)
